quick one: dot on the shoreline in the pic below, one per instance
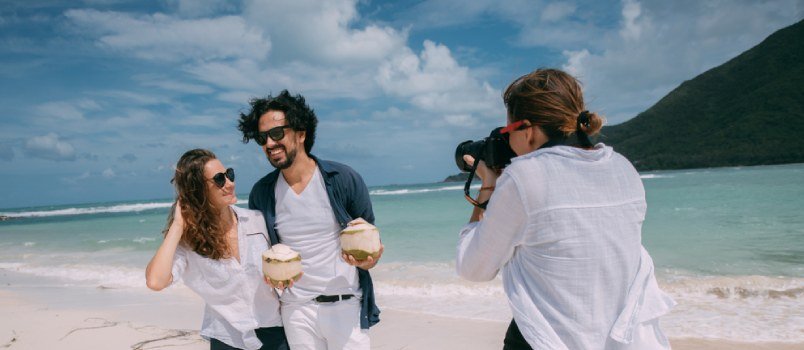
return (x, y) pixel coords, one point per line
(80, 318)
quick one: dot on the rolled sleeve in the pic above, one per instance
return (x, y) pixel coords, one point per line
(485, 246)
(179, 264)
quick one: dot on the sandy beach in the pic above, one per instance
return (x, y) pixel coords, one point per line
(103, 318)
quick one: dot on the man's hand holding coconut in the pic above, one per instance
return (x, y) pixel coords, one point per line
(281, 266)
(360, 244)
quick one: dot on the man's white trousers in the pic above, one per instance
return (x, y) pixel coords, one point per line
(325, 326)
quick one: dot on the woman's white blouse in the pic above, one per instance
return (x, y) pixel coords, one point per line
(237, 299)
(564, 225)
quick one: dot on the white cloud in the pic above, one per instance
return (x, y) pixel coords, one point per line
(108, 173)
(575, 62)
(238, 74)
(460, 120)
(197, 8)
(659, 45)
(128, 118)
(562, 25)
(49, 147)
(434, 81)
(162, 37)
(443, 13)
(321, 31)
(317, 49)
(136, 98)
(209, 121)
(175, 85)
(74, 180)
(434, 70)
(245, 79)
(631, 30)
(557, 11)
(66, 111)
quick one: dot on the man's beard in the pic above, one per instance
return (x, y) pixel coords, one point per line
(289, 157)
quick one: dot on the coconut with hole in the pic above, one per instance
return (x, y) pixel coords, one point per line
(361, 241)
(281, 264)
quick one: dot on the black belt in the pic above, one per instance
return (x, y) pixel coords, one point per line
(332, 298)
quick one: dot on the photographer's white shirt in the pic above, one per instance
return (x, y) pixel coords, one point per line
(564, 225)
(237, 300)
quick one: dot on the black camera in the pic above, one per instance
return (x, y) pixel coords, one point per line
(494, 150)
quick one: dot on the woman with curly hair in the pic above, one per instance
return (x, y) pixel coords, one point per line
(216, 248)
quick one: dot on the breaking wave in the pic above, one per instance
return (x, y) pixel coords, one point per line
(119, 208)
(383, 192)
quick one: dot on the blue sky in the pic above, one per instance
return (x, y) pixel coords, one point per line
(99, 98)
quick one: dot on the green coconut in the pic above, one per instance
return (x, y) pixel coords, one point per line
(281, 264)
(361, 241)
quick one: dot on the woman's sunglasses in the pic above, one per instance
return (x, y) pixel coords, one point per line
(515, 126)
(220, 178)
(276, 134)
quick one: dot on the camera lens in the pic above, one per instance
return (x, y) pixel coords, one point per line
(472, 148)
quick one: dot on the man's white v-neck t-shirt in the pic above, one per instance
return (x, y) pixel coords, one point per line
(306, 223)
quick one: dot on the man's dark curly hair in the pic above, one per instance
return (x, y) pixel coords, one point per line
(299, 115)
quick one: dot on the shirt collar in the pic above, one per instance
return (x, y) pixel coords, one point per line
(324, 166)
(244, 218)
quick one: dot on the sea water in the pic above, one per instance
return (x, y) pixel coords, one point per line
(728, 245)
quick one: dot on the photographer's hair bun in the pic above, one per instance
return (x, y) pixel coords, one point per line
(595, 124)
(553, 100)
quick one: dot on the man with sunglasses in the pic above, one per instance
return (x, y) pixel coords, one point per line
(306, 202)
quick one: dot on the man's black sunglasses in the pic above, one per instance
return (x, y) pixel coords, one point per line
(276, 134)
(220, 178)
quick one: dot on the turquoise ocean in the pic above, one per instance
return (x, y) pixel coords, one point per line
(728, 245)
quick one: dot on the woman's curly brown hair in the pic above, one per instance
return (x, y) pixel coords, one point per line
(203, 230)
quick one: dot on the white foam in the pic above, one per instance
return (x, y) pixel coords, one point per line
(120, 208)
(417, 190)
(434, 288)
(738, 308)
(654, 176)
(109, 276)
(748, 308)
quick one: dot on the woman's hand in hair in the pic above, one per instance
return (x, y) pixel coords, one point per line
(178, 219)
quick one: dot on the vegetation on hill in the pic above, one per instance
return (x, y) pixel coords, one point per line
(459, 177)
(748, 111)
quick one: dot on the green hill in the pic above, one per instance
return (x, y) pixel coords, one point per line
(748, 111)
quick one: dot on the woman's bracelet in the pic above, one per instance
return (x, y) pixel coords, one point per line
(487, 188)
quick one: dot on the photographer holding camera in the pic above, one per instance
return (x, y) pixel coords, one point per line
(563, 222)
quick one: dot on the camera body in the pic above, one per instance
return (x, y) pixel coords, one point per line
(494, 150)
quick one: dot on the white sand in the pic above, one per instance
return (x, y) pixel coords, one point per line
(83, 318)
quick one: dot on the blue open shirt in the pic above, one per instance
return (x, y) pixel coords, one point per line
(349, 198)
